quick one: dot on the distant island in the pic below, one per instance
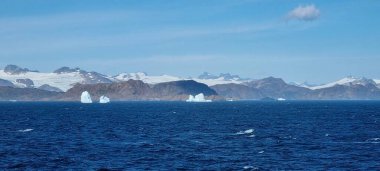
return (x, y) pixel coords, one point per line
(67, 84)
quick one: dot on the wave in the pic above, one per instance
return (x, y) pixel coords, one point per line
(248, 131)
(25, 130)
(250, 168)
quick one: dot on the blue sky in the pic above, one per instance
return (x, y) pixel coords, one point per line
(314, 41)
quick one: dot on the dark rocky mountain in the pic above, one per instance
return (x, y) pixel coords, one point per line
(159, 89)
(348, 92)
(206, 75)
(184, 87)
(89, 77)
(128, 90)
(276, 88)
(47, 87)
(237, 91)
(27, 82)
(266, 88)
(66, 70)
(14, 69)
(138, 90)
(225, 76)
(6, 83)
(27, 94)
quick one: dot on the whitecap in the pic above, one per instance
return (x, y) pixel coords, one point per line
(253, 135)
(25, 130)
(250, 167)
(248, 131)
(260, 152)
(373, 140)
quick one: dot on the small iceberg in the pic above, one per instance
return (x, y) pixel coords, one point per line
(198, 98)
(104, 99)
(281, 99)
(85, 97)
(25, 130)
(248, 131)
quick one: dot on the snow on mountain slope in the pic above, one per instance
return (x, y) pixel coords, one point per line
(346, 81)
(221, 80)
(146, 78)
(377, 82)
(210, 80)
(62, 81)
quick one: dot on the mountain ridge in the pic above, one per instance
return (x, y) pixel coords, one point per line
(224, 85)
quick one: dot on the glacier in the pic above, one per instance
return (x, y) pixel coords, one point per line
(85, 97)
(197, 98)
(104, 99)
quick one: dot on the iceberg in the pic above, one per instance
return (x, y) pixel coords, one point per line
(281, 99)
(104, 99)
(197, 98)
(85, 97)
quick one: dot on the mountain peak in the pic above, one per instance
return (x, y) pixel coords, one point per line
(206, 75)
(224, 76)
(66, 70)
(14, 69)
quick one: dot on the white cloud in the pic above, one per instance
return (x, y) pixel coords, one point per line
(304, 13)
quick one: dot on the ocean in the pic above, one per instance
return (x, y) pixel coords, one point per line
(241, 135)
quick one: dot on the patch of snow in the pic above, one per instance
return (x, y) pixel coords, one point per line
(221, 80)
(168, 78)
(346, 81)
(198, 98)
(104, 99)
(85, 97)
(63, 81)
(145, 78)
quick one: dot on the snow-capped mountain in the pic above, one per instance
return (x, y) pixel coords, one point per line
(347, 81)
(65, 78)
(223, 78)
(61, 79)
(205, 78)
(304, 84)
(377, 81)
(145, 78)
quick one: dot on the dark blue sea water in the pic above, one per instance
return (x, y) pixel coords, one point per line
(290, 135)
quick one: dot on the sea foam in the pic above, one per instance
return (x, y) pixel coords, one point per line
(25, 130)
(248, 131)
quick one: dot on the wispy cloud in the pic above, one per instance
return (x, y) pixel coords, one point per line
(304, 13)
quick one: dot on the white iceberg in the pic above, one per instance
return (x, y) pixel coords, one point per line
(281, 99)
(85, 97)
(104, 99)
(198, 98)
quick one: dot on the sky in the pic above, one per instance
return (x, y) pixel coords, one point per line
(315, 41)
